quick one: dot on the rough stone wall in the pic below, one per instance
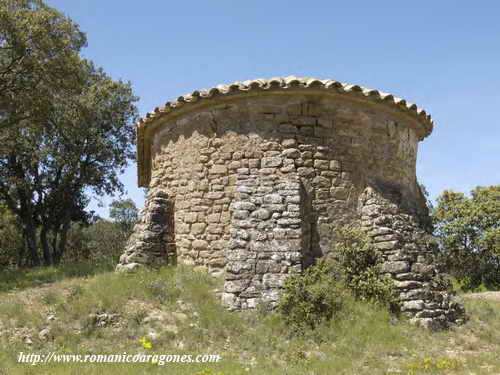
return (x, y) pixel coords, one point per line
(335, 148)
(267, 239)
(331, 146)
(400, 238)
(152, 236)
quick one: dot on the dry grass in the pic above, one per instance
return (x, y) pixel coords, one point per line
(179, 313)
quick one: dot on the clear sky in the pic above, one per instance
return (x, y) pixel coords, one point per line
(442, 55)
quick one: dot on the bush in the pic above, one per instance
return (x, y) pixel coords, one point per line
(359, 265)
(99, 243)
(324, 289)
(311, 298)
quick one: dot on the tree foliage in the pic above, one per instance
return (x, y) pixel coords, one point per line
(11, 240)
(38, 59)
(78, 141)
(125, 213)
(468, 230)
(100, 243)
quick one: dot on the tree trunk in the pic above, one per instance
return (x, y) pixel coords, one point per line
(29, 230)
(61, 248)
(22, 251)
(55, 236)
(47, 259)
(30, 233)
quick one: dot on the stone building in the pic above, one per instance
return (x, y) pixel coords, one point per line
(250, 181)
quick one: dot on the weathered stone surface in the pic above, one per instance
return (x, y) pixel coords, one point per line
(271, 162)
(147, 244)
(395, 267)
(415, 305)
(279, 255)
(253, 187)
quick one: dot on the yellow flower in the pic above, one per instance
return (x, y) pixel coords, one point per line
(145, 343)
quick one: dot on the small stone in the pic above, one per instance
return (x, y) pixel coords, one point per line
(286, 222)
(243, 171)
(241, 234)
(396, 267)
(190, 217)
(198, 228)
(413, 294)
(254, 163)
(218, 169)
(295, 199)
(234, 164)
(262, 214)
(273, 199)
(291, 153)
(385, 237)
(240, 214)
(237, 155)
(321, 182)
(215, 195)
(289, 142)
(267, 171)
(305, 172)
(293, 208)
(412, 305)
(410, 284)
(321, 164)
(245, 189)
(271, 162)
(243, 206)
(44, 334)
(388, 245)
(200, 244)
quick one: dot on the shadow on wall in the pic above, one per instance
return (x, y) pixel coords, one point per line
(311, 236)
(169, 236)
(405, 201)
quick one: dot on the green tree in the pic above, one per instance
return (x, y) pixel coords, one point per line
(101, 243)
(11, 240)
(73, 132)
(468, 230)
(46, 171)
(38, 60)
(125, 213)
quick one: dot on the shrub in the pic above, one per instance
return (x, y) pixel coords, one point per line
(100, 243)
(359, 265)
(324, 289)
(311, 298)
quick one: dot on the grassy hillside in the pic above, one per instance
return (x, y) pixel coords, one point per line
(177, 311)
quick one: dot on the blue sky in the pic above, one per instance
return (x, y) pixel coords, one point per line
(442, 55)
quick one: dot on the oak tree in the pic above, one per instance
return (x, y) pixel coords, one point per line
(468, 230)
(48, 169)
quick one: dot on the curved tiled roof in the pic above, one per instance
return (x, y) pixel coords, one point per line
(255, 86)
(289, 82)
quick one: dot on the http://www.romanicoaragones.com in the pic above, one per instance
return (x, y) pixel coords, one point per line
(159, 359)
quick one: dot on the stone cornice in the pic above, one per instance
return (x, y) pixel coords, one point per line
(276, 86)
